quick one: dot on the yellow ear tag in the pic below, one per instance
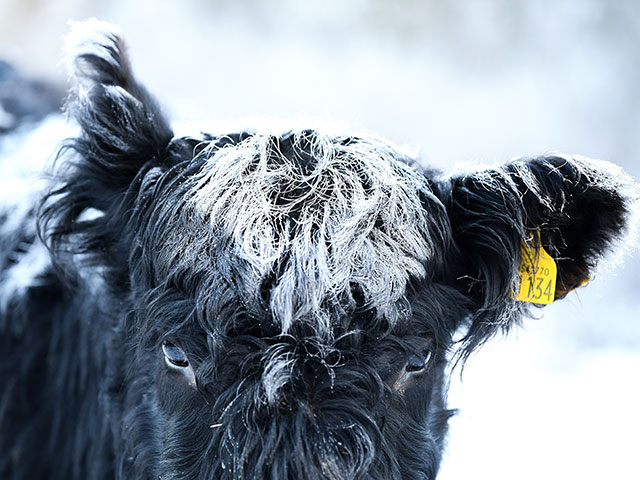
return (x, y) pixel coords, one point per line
(537, 272)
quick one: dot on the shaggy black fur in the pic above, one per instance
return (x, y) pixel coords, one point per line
(251, 306)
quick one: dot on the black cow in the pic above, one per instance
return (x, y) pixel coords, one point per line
(263, 306)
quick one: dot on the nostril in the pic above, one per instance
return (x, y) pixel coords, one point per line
(309, 376)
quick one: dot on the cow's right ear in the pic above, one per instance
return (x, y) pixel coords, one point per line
(122, 125)
(123, 142)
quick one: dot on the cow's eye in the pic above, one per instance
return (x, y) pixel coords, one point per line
(418, 363)
(174, 356)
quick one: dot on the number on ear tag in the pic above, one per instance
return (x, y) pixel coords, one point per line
(537, 275)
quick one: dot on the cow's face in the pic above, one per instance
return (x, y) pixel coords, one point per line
(291, 293)
(286, 304)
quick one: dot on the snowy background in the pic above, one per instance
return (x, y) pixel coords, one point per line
(463, 81)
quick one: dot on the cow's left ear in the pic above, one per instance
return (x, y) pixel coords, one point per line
(507, 221)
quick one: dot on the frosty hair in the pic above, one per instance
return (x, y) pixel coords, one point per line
(331, 216)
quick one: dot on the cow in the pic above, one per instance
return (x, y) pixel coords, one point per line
(281, 305)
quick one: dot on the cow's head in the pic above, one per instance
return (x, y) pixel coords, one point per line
(284, 306)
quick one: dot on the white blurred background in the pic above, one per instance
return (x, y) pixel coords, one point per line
(463, 81)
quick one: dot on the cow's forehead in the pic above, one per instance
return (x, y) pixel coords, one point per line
(310, 219)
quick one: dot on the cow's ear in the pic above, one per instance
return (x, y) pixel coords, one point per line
(123, 141)
(121, 124)
(507, 221)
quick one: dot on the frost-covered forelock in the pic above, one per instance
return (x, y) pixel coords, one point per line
(320, 217)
